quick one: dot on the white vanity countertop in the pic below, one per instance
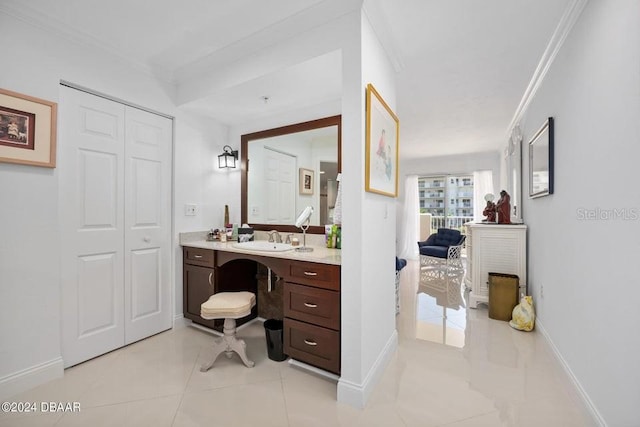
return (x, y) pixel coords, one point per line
(319, 254)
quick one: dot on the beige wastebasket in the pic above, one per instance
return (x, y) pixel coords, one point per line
(503, 295)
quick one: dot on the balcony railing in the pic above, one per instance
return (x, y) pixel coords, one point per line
(454, 222)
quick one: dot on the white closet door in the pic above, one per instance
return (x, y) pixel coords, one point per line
(147, 224)
(91, 168)
(288, 178)
(280, 184)
(115, 212)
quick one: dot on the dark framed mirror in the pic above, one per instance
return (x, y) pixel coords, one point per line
(285, 169)
(541, 161)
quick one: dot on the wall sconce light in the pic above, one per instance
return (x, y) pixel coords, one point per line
(228, 158)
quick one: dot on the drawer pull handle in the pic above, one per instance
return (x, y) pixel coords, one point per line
(197, 256)
(311, 343)
(310, 273)
(310, 305)
(210, 275)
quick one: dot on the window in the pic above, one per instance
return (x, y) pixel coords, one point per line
(449, 199)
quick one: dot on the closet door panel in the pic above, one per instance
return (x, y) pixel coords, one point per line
(147, 224)
(146, 294)
(91, 211)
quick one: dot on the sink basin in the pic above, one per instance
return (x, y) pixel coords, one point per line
(263, 246)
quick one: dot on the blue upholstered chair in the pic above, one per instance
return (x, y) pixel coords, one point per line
(443, 247)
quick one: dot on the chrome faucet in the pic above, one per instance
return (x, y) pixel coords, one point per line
(288, 239)
(272, 233)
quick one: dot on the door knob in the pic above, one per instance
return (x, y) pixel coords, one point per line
(146, 239)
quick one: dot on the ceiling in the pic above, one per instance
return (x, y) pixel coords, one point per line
(463, 65)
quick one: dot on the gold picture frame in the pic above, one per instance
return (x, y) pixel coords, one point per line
(381, 160)
(306, 181)
(27, 130)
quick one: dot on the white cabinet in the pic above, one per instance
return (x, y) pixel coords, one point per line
(494, 248)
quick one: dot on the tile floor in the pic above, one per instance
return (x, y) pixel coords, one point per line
(457, 370)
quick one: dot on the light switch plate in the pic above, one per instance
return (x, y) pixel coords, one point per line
(189, 209)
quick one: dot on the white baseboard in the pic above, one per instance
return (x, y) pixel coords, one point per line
(179, 321)
(317, 371)
(31, 377)
(586, 400)
(357, 394)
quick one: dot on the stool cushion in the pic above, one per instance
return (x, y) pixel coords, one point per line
(228, 305)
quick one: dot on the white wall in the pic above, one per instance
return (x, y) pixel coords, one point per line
(368, 249)
(590, 278)
(29, 262)
(199, 181)
(378, 223)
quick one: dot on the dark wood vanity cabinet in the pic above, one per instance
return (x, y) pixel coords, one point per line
(196, 290)
(202, 277)
(312, 314)
(198, 282)
(311, 298)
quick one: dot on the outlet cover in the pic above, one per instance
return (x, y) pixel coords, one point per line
(190, 209)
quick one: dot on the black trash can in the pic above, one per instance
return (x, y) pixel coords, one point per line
(273, 329)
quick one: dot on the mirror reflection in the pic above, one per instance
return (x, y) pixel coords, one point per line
(288, 171)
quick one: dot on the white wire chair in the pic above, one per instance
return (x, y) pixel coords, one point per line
(452, 262)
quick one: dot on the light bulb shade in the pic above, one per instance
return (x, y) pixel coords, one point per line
(228, 158)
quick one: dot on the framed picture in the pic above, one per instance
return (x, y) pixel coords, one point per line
(27, 130)
(306, 181)
(541, 161)
(381, 146)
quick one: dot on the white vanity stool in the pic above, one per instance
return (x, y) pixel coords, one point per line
(228, 306)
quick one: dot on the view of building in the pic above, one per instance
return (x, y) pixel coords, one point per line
(448, 198)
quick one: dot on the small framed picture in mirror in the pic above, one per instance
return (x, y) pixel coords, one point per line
(306, 181)
(541, 161)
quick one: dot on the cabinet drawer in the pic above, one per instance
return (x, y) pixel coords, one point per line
(198, 256)
(318, 306)
(325, 276)
(312, 344)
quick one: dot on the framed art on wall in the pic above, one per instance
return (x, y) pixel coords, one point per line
(541, 161)
(306, 181)
(381, 146)
(27, 130)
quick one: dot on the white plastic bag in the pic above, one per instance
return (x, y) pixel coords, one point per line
(523, 317)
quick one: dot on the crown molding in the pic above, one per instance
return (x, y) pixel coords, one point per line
(37, 19)
(567, 21)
